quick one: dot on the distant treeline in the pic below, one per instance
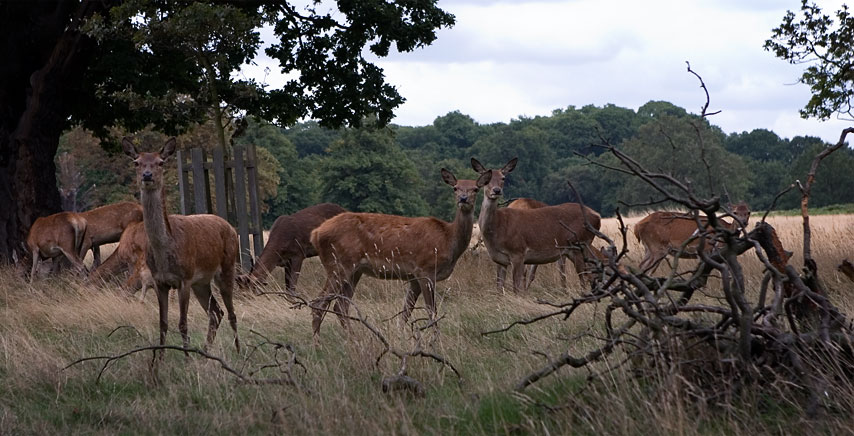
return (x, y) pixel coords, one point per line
(396, 169)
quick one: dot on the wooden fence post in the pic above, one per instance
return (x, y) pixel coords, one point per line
(240, 207)
(219, 183)
(183, 183)
(254, 210)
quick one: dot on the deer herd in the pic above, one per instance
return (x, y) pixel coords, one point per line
(192, 253)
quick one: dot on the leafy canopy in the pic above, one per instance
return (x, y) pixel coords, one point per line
(163, 63)
(825, 44)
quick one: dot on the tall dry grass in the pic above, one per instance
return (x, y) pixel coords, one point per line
(46, 326)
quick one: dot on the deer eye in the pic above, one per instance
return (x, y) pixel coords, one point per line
(136, 163)
(160, 163)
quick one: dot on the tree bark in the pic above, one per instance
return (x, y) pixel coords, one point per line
(45, 57)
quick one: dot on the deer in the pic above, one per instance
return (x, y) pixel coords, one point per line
(129, 253)
(515, 237)
(530, 203)
(289, 244)
(421, 251)
(53, 236)
(106, 224)
(187, 253)
(663, 233)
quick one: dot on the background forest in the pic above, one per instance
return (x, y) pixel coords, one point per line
(396, 169)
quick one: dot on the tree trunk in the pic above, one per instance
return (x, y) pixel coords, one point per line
(45, 57)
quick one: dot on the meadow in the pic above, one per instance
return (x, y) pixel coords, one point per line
(338, 379)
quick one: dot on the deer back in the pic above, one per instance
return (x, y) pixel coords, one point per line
(64, 229)
(526, 203)
(670, 229)
(385, 243)
(106, 223)
(542, 229)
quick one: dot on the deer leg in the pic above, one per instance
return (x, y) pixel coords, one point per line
(342, 305)
(225, 283)
(561, 266)
(210, 306)
(651, 260)
(412, 294)
(183, 306)
(74, 260)
(96, 256)
(320, 305)
(292, 274)
(532, 271)
(577, 258)
(36, 256)
(163, 305)
(427, 288)
(518, 275)
(501, 274)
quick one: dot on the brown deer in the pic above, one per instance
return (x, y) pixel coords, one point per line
(530, 203)
(56, 235)
(129, 253)
(289, 244)
(421, 251)
(663, 233)
(531, 236)
(106, 224)
(184, 252)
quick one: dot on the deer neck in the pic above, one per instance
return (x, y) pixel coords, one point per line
(462, 229)
(488, 217)
(157, 229)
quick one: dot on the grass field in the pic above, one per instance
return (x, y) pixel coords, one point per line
(50, 324)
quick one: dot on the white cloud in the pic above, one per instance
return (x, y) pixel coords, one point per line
(509, 58)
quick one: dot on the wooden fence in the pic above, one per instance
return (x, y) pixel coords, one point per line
(236, 181)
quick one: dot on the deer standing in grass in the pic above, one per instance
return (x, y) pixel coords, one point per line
(515, 237)
(530, 203)
(106, 224)
(421, 251)
(289, 244)
(56, 235)
(129, 253)
(184, 252)
(663, 233)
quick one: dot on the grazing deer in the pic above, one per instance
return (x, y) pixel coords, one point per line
(60, 234)
(184, 252)
(421, 251)
(663, 233)
(289, 244)
(130, 252)
(531, 236)
(530, 203)
(106, 224)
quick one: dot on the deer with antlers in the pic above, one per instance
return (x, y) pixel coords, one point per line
(184, 252)
(515, 237)
(664, 233)
(55, 236)
(106, 224)
(289, 244)
(421, 251)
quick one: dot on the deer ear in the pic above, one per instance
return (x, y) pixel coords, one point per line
(448, 177)
(129, 148)
(476, 165)
(510, 165)
(484, 179)
(168, 149)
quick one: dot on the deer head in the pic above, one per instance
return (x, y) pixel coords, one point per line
(149, 166)
(495, 188)
(465, 191)
(741, 212)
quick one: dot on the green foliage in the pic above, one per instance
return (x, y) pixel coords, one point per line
(690, 152)
(367, 171)
(823, 43)
(297, 185)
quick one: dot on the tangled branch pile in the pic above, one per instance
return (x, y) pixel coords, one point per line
(792, 336)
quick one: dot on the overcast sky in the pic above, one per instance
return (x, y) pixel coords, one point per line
(506, 59)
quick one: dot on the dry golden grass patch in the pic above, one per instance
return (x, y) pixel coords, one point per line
(46, 326)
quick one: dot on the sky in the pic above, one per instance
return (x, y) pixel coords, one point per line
(509, 59)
